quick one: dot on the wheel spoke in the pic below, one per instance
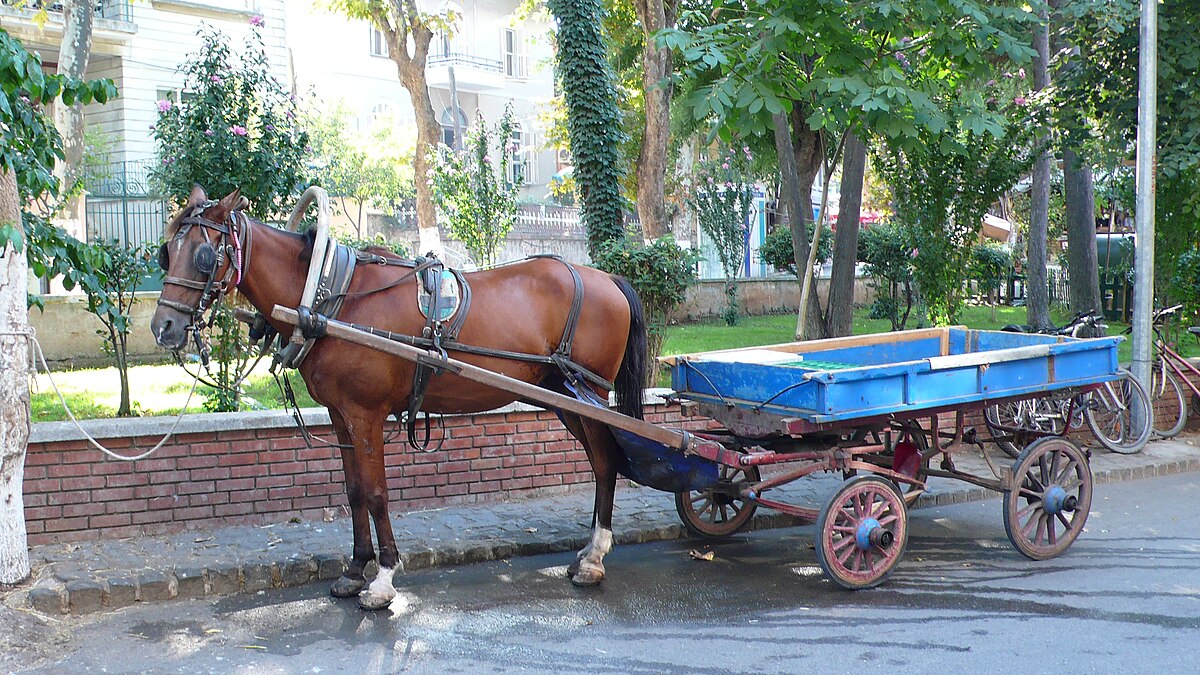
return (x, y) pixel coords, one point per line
(1041, 528)
(1067, 524)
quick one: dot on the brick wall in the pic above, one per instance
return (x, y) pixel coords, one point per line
(237, 472)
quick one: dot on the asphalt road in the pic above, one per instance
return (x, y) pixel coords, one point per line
(1124, 598)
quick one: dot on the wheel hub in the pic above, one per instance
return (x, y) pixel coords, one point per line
(1056, 500)
(870, 533)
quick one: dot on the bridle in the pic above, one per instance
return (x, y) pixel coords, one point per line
(233, 243)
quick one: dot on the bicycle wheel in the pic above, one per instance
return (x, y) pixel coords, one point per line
(1166, 396)
(1118, 414)
(1045, 416)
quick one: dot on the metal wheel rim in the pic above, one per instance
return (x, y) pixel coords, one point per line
(705, 514)
(1170, 409)
(854, 502)
(1037, 529)
(1115, 429)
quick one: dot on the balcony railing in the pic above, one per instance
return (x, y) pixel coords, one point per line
(466, 61)
(118, 10)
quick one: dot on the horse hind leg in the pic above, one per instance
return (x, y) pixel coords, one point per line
(369, 446)
(602, 449)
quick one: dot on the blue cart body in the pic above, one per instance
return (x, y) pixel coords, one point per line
(830, 381)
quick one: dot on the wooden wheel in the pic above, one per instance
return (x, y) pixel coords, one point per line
(1047, 503)
(862, 532)
(720, 510)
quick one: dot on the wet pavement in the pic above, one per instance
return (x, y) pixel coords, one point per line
(81, 578)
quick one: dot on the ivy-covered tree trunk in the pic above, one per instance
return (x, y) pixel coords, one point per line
(654, 15)
(14, 391)
(73, 56)
(1037, 281)
(593, 118)
(840, 308)
(799, 161)
(1082, 266)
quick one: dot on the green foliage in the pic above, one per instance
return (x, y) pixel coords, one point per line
(889, 262)
(237, 128)
(377, 242)
(594, 120)
(373, 171)
(473, 190)
(942, 188)
(778, 249)
(1185, 284)
(121, 270)
(29, 143)
(721, 196)
(990, 265)
(660, 272)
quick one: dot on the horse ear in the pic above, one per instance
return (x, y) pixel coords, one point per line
(232, 200)
(242, 204)
(198, 196)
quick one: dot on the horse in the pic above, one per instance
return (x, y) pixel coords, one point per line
(212, 247)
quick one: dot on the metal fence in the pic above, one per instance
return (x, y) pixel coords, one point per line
(120, 204)
(106, 9)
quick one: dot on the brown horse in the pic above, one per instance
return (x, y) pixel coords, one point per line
(522, 307)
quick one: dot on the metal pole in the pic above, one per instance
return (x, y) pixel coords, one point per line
(1143, 288)
(458, 141)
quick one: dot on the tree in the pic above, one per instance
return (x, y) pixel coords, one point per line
(1037, 306)
(240, 130)
(654, 16)
(721, 197)
(29, 146)
(73, 56)
(121, 270)
(476, 189)
(812, 71)
(840, 314)
(409, 32)
(593, 118)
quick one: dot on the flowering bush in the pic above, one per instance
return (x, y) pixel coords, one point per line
(721, 197)
(235, 127)
(472, 189)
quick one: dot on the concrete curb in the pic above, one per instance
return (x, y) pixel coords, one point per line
(98, 576)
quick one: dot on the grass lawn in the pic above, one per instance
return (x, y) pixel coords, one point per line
(163, 389)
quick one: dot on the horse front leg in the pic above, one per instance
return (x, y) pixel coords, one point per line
(602, 449)
(353, 580)
(369, 445)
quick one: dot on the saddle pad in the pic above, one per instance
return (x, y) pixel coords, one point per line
(449, 300)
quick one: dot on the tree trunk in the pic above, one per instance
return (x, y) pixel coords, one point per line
(654, 15)
(806, 151)
(73, 56)
(14, 391)
(406, 27)
(1037, 287)
(1082, 267)
(840, 308)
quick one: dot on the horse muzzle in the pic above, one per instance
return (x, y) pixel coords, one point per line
(170, 329)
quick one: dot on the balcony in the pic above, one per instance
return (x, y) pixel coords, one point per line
(39, 25)
(471, 73)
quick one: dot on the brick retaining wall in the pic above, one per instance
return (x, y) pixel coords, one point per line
(231, 472)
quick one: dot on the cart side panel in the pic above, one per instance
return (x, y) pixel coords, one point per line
(878, 353)
(782, 386)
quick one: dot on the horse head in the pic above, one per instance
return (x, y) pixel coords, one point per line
(201, 257)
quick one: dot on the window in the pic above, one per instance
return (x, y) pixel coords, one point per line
(447, 122)
(381, 113)
(516, 58)
(523, 169)
(379, 45)
(176, 96)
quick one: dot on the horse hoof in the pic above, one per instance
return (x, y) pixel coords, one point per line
(588, 576)
(374, 601)
(345, 587)
(573, 568)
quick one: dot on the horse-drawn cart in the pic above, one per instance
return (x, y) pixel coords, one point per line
(880, 409)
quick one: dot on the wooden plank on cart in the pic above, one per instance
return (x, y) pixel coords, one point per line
(337, 329)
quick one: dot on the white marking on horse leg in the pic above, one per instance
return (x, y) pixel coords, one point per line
(381, 591)
(590, 568)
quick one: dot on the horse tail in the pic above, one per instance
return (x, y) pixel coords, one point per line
(631, 378)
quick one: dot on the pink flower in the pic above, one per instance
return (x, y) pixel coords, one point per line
(1008, 76)
(208, 132)
(487, 158)
(1019, 100)
(164, 105)
(237, 130)
(215, 78)
(725, 165)
(915, 252)
(1020, 72)
(257, 20)
(991, 83)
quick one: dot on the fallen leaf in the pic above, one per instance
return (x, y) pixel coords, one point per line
(201, 540)
(213, 631)
(531, 530)
(254, 647)
(697, 555)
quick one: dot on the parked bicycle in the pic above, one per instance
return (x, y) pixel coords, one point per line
(1168, 379)
(1118, 413)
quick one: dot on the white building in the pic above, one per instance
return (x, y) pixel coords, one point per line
(494, 58)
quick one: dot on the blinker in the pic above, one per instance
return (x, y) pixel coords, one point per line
(164, 259)
(205, 259)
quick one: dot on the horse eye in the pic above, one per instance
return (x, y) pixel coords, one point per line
(164, 260)
(206, 259)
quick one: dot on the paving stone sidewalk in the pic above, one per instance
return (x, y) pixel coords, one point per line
(100, 575)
